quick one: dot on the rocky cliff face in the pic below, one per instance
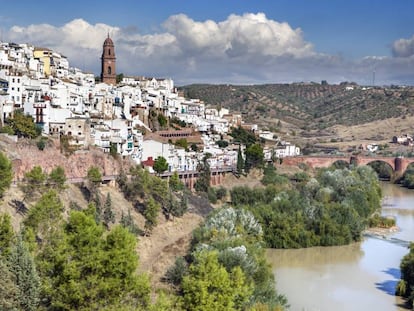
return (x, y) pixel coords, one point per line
(25, 155)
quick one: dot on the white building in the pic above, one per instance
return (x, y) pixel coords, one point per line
(286, 150)
(152, 149)
(177, 158)
(16, 88)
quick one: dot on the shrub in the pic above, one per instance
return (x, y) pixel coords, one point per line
(162, 120)
(221, 193)
(222, 143)
(212, 196)
(175, 273)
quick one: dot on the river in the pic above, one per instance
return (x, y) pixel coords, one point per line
(361, 276)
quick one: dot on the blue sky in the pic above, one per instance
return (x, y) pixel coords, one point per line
(227, 41)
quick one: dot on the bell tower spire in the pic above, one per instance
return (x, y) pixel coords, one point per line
(108, 61)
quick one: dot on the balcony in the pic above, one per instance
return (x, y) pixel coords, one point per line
(39, 105)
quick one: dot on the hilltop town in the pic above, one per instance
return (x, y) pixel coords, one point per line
(138, 118)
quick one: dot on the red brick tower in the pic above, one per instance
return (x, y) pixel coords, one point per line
(108, 72)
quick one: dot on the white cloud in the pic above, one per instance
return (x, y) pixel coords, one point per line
(403, 47)
(248, 48)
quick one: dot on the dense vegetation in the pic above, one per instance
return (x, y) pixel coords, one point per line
(22, 126)
(308, 106)
(405, 287)
(151, 195)
(407, 179)
(81, 260)
(331, 209)
(226, 268)
(72, 264)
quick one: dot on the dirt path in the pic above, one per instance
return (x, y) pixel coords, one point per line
(170, 239)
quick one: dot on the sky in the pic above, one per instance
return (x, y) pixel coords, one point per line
(226, 41)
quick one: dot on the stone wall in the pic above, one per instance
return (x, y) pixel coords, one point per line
(25, 155)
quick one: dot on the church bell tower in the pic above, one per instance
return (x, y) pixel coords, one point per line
(108, 71)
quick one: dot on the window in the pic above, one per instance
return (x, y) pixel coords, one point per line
(109, 70)
(109, 51)
(18, 80)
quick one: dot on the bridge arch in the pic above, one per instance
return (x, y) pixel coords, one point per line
(398, 164)
(392, 162)
(384, 170)
(405, 162)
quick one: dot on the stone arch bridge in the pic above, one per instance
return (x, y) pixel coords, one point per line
(398, 164)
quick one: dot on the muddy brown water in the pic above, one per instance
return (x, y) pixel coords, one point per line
(357, 277)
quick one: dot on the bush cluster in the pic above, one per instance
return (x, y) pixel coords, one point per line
(331, 209)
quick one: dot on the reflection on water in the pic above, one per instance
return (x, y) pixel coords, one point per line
(360, 276)
(315, 256)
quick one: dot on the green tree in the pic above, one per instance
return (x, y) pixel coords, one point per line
(408, 178)
(6, 173)
(23, 267)
(93, 181)
(57, 178)
(113, 150)
(41, 143)
(221, 193)
(167, 302)
(222, 143)
(406, 285)
(34, 182)
(128, 222)
(254, 156)
(175, 183)
(236, 236)
(94, 176)
(121, 262)
(160, 165)
(88, 270)
(162, 120)
(240, 135)
(7, 129)
(208, 286)
(119, 78)
(6, 235)
(271, 177)
(176, 205)
(45, 217)
(203, 182)
(23, 125)
(175, 273)
(182, 142)
(152, 209)
(9, 293)
(108, 213)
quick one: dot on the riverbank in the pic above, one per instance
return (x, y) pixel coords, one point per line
(381, 231)
(360, 276)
